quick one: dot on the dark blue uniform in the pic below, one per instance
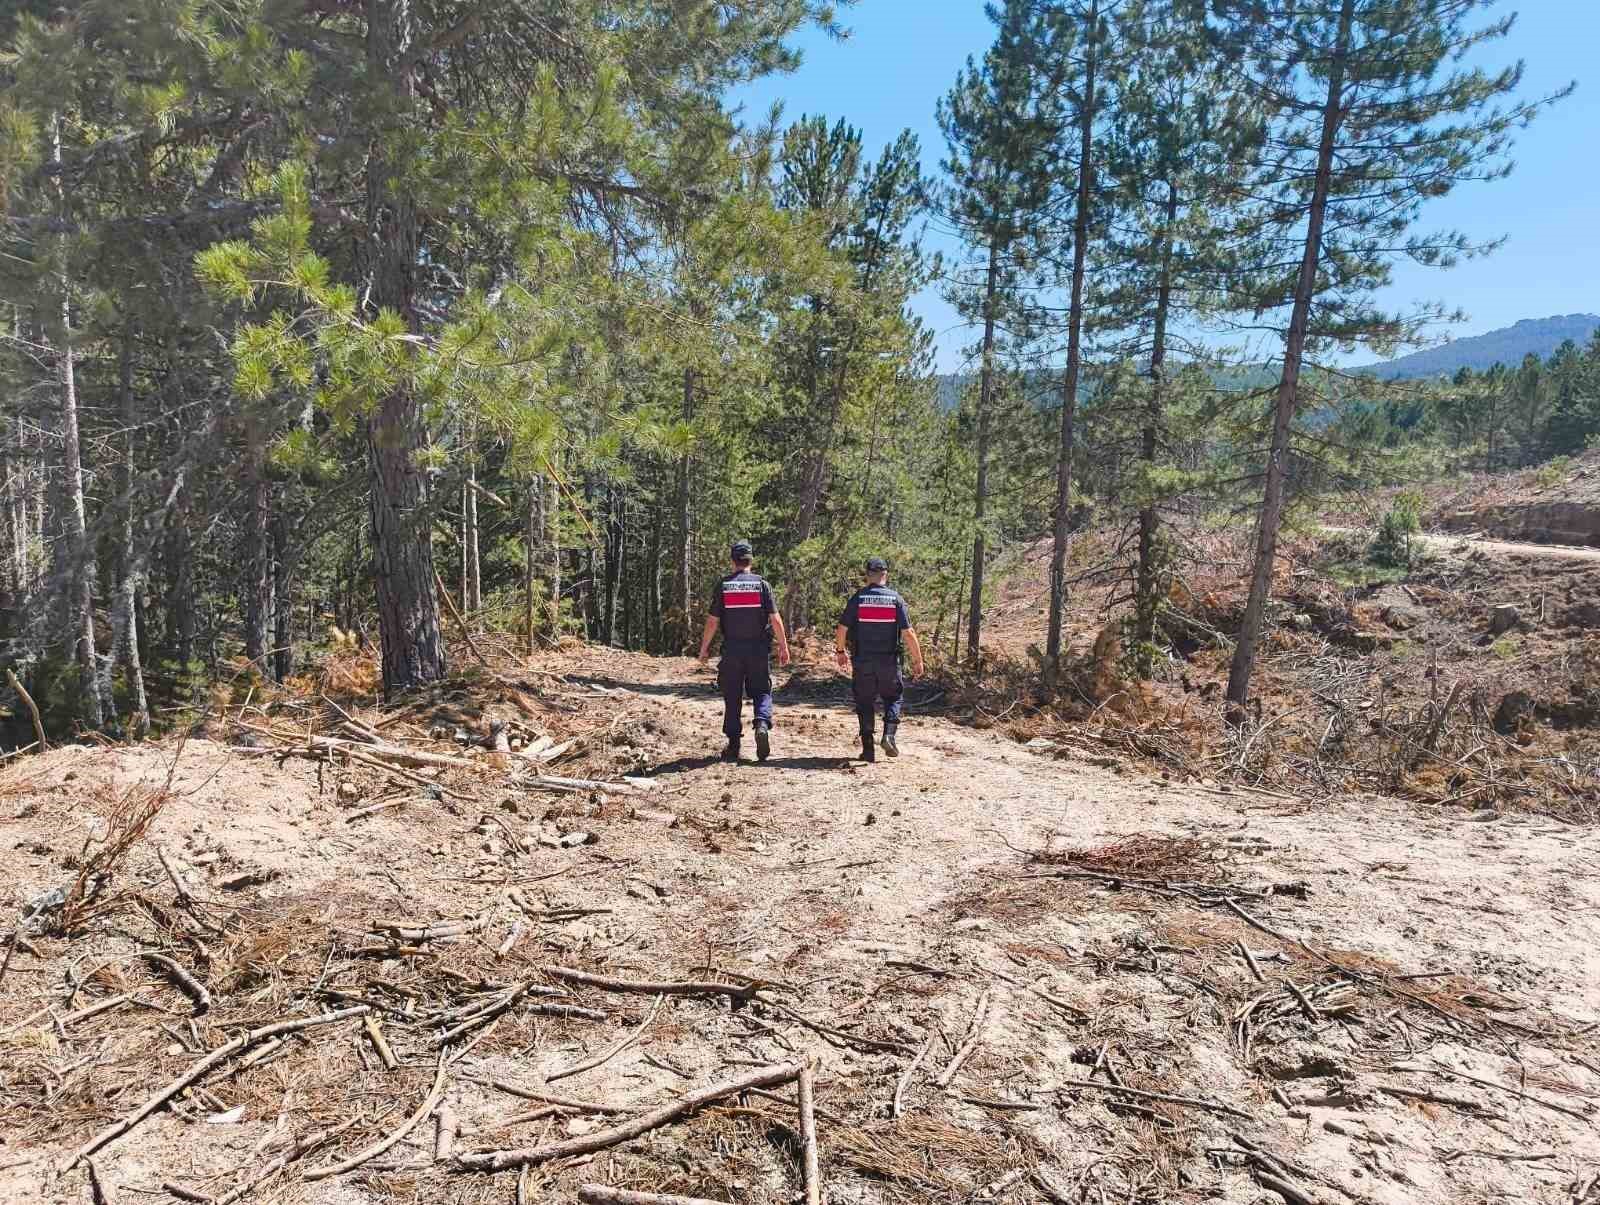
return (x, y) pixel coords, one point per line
(743, 604)
(874, 617)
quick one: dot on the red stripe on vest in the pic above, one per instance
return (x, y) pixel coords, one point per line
(877, 614)
(741, 598)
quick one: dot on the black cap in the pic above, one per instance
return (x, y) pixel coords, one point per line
(741, 550)
(876, 564)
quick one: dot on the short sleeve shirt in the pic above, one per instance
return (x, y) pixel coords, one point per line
(875, 616)
(743, 603)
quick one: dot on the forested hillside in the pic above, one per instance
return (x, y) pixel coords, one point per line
(1539, 337)
(326, 321)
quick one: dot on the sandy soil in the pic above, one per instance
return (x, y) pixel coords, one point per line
(1423, 1029)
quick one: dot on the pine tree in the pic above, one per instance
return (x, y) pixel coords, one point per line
(1371, 118)
(1181, 131)
(1000, 126)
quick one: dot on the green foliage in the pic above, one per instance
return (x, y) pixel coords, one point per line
(1394, 543)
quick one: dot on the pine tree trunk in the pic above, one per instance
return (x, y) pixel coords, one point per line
(472, 593)
(258, 590)
(81, 556)
(1061, 537)
(1146, 601)
(980, 491)
(533, 537)
(653, 635)
(1244, 654)
(552, 552)
(403, 570)
(683, 557)
(616, 537)
(282, 600)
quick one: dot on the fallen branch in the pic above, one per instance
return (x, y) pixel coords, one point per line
(379, 1042)
(213, 1060)
(458, 928)
(173, 873)
(607, 1056)
(563, 1102)
(429, 1103)
(444, 1135)
(738, 991)
(197, 990)
(849, 1039)
(1518, 1093)
(1283, 1188)
(897, 1106)
(1193, 1102)
(1254, 923)
(599, 1194)
(498, 1161)
(974, 1035)
(808, 1136)
(300, 1148)
(460, 622)
(33, 709)
(99, 1190)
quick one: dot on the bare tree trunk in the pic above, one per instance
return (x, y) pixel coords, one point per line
(408, 602)
(1146, 600)
(1244, 654)
(1061, 537)
(980, 492)
(81, 556)
(180, 600)
(472, 587)
(124, 618)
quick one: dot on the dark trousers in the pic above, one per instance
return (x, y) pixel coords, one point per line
(744, 672)
(874, 677)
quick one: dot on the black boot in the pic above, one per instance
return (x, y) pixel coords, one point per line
(763, 742)
(730, 751)
(889, 747)
(868, 753)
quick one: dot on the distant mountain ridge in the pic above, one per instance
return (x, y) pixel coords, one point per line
(1507, 346)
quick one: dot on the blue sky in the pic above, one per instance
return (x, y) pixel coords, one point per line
(902, 55)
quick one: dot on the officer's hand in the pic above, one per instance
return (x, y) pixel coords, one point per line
(916, 672)
(843, 660)
(783, 655)
(704, 659)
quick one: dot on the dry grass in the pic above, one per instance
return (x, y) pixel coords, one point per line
(931, 1154)
(126, 823)
(1143, 856)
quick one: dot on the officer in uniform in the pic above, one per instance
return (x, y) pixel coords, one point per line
(867, 644)
(743, 607)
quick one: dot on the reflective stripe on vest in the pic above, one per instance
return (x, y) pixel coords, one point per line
(741, 594)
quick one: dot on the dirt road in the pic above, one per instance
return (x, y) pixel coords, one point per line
(1414, 1020)
(1457, 542)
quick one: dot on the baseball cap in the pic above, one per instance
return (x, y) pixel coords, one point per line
(741, 549)
(876, 564)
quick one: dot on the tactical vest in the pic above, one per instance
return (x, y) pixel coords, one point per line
(876, 632)
(744, 618)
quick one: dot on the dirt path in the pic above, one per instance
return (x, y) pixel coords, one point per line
(1465, 542)
(1437, 1047)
